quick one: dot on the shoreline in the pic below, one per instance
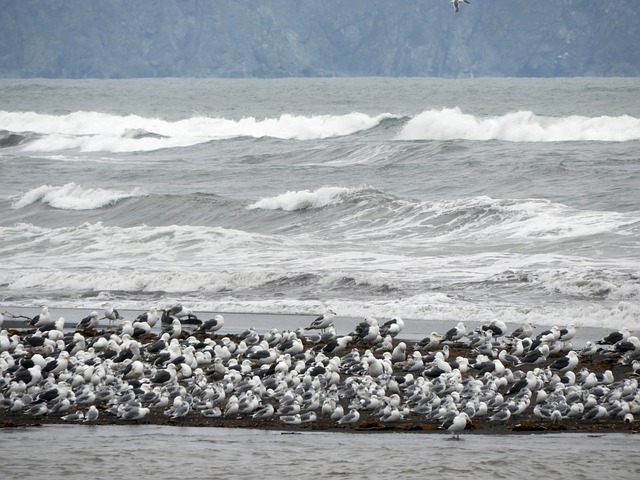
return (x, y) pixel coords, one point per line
(236, 322)
(409, 426)
(308, 375)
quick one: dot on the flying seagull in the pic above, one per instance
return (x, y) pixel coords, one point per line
(456, 4)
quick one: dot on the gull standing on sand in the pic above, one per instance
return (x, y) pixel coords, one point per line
(393, 327)
(90, 321)
(151, 317)
(337, 345)
(498, 327)
(565, 363)
(456, 333)
(212, 325)
(568, 332)
(174, 329)
(42, 319)
(350, 418)
(615, 337)
(323, 321)
(92, 414)
(522, 332)
(111, 313)
(367, 331)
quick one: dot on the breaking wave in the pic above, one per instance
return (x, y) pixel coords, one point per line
(95, 131)
(74, 197)
(522, 126)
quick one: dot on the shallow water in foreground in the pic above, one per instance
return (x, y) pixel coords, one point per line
(61, 451)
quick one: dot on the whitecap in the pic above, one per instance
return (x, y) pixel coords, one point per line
(303, 199)
(520, 126)
(96, 131)
(74, 197)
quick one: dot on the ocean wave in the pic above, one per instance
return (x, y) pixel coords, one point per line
(368, 214)
(96, 131)
(521, 126)
(74, 197)
(170, 246)
(242, 271)
(11, 139)
(303, 199)
(481, 217)
(590, 284)
(576, 282)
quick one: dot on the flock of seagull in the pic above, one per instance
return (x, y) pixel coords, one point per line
(170, 361)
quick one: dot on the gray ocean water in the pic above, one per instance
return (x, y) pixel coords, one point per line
(436, 200)
(432, 199)
(170, 452)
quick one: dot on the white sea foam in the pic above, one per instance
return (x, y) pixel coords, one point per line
(95, 131)
(482, 218)
(522, 126)
(478, 219)
(303, 199)
(589, 283)
(203, 263)
(74, 197)
(164, 248)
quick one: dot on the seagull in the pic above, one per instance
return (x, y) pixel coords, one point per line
(367, 331)
(212, 325)
(151, 317)
(393, 327)
(431, 342)
(631, 344)
(110, 313)
(56, 326)
(615, 337)
(456, 4)
(134, 413)
(568, 332)
(456, 333)
(536, 356)
(565, 363)
(262, 357)
(92, 414)
(73, 417)
(501, 416)
(90, 321)
(589, 350)
(264, 412)
(164, 377)
(323, 321)
(498, 327)
(456, 424)
(30, 376)
(523, 331)
(42, 319)
(350, 418)
(184, 314)
(337, 345)
(174, 329)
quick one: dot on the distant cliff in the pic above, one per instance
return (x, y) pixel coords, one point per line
(276, 38)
